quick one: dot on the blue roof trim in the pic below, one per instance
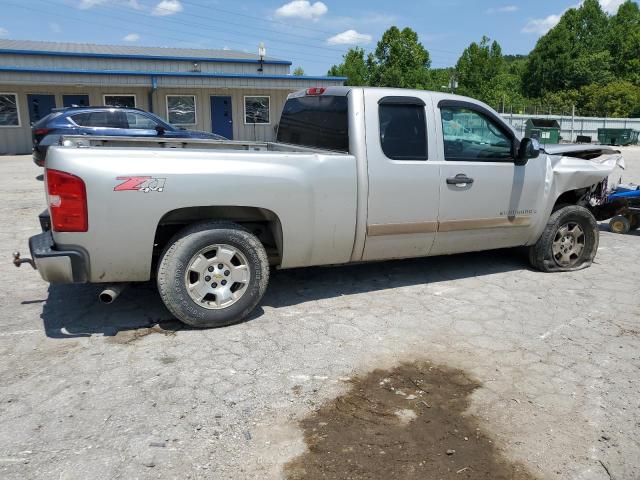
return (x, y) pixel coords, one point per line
(165, 74)
(140, 57)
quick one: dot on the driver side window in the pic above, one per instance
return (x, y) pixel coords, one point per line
(471, 136)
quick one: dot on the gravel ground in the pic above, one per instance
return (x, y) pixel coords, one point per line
(122, 391)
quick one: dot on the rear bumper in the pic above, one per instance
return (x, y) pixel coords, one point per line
(57, 266)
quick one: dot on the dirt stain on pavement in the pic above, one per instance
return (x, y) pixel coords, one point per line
(124, 337)
(405, 423)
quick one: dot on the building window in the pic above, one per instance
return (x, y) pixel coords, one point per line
(9, 116)
(256, 110)
(128, 101)
(181, 109)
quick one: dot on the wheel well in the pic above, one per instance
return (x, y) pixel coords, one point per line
(263, 223)
(572, 197)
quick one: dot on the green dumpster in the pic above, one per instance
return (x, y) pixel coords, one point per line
(617, 136)
(543, 129)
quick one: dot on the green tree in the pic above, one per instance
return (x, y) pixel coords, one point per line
(298, 71)
(439, 77)
(624, 42)
(400, 60)
(355, 66)
(478, 66)
(617, 99)
(560, 102)
(572, 54)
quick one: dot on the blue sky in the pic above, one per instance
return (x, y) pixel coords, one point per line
(312, 34)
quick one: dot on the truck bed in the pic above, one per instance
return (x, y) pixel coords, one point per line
(83, 141)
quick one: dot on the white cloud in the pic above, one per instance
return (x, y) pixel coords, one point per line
(541, 25)
(167, 7)
(302, 9)
(87, 4)
(4, 32)
(611, 6)
(350, 37)
(132, 37)
(504, 9)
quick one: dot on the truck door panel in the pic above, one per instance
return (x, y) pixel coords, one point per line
(486, 201)
(403, 182)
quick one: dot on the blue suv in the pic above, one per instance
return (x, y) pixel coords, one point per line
(112, 121)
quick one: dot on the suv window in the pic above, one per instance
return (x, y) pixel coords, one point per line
(139, 121)
(403, 131)
(97, 119)
(471, 135)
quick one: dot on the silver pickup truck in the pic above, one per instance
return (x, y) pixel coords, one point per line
(357, 174)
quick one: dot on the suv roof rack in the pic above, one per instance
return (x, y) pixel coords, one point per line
(93, 107)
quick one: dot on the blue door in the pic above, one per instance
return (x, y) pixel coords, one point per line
(75, 101)
(40, 106)
(221, 118)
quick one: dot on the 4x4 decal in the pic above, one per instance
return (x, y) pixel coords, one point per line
(140, 184)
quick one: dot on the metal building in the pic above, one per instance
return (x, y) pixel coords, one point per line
(236, 94)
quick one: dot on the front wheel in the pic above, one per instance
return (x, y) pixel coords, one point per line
(213, 274)
(568, 242)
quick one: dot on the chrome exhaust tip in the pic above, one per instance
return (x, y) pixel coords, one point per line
(109, 294)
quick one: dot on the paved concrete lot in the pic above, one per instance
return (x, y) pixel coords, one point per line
(121, 391)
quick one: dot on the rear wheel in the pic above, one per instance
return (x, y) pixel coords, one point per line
(619, 224)
(568, 242)
(213, 274)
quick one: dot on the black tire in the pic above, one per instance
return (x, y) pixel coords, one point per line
(619, 224)
(172, 270)
(541, 254)
(635, 223)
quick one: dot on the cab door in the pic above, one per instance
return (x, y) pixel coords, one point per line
(486, 200)
(403, 176)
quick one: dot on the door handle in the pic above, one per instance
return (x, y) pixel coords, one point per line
(460, 180)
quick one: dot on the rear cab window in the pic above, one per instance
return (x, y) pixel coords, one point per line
(403, 128)
(317, 121)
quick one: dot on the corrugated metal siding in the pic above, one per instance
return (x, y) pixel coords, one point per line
(80, 48)
(240, 130)
(84, 63)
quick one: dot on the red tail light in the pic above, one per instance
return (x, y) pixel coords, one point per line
(67, 202)
(315, 90)
(41, 131)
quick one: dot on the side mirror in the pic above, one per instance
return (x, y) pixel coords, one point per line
(529, 148)
(160, 129)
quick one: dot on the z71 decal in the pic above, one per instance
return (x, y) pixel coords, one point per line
(140, 184)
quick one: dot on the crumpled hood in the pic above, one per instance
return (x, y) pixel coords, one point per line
(571, 167)
(578, 150)
(579, 166)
